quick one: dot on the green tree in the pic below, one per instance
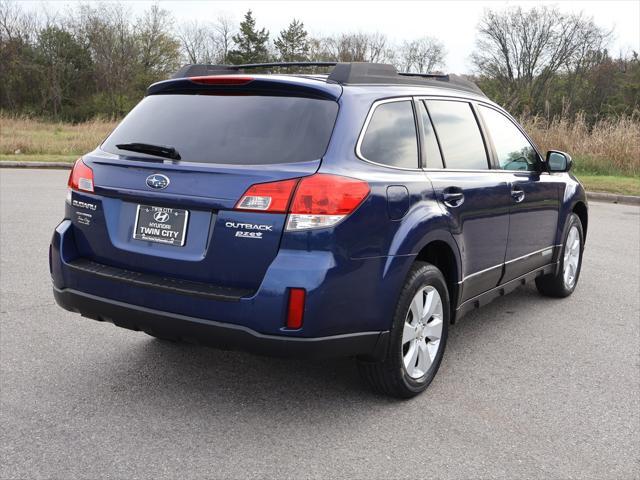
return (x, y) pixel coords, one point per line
(159, 51)
(111, 37)
(20, 82)
(64, 65)
(292, 44)
(251, 43)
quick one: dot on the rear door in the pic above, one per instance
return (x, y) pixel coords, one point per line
(476, 198)
(177, 218)
(535, 196)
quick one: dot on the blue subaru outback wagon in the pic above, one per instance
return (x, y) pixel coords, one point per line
(358, 213)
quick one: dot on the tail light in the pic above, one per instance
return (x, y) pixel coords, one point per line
(323, 200)
(270, 197)
(81, 177)
(319, 200)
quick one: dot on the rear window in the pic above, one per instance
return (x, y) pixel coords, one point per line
(239, 130)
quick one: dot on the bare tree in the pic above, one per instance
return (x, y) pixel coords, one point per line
(352, 47)
(423, 55)
(377, 47)
(223, 32)
(197, 40)
(159, 51)
(15, 24)
(524, 50)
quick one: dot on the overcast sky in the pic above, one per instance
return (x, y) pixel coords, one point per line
(452, 22)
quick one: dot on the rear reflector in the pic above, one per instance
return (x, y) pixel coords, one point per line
(295, 310)
(221, 80)
(81, 177)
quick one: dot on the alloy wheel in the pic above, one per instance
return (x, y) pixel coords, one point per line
(422, 331)
(571, 257)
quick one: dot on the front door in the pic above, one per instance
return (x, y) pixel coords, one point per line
(535, 196)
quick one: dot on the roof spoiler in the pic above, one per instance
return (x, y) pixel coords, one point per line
(343, 73)
(200, 70)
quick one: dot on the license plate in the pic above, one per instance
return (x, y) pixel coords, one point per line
(161, 225)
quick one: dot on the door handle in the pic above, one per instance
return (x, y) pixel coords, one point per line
(517, 194)
(453, 197)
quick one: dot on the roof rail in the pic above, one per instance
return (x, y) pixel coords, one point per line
(382, 73)
(352, 73)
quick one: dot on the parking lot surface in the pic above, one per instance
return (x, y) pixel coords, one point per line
(530, 387)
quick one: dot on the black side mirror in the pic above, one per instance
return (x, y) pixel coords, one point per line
(558, 161)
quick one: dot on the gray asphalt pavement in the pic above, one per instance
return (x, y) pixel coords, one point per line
(529, 387)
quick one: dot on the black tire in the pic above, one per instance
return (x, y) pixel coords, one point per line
(554, 285)
(390, 376)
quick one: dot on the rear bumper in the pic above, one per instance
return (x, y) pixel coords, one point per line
(345, 296)
(221, 335)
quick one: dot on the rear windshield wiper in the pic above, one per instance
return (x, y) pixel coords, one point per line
(157, 150)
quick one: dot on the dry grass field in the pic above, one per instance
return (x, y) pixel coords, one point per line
(606, 157)
(610, 147)
(36, 138)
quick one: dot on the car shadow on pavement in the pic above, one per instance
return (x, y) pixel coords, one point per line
(158, 373)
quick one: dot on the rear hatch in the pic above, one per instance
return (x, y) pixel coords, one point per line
(169, 207)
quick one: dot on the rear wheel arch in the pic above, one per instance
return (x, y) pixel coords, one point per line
(441, 254)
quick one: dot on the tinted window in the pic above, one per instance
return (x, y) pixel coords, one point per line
(459, 135)
(391, 137)
(429, 142)
(513, 149)
(244, 130)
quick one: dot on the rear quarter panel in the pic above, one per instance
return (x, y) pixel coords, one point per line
(377, 233)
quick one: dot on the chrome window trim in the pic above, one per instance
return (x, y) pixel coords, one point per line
(480, 272)
(485, 103)
(541, 251)
(363, 131)
(418, 98)
(523, 172)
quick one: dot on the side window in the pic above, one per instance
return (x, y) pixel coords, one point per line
(391, 137)
(513, 149)
(429, 140)
(459, 135)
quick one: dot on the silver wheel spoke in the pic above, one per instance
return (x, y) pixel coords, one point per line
(422, 331)
(410, 358)
(574, 246)
(409, 333)
(417, 307)
(433, 329)
(424, 358)
(430, 304)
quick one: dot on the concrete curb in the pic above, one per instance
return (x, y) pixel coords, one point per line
(595, 196)
(63, 165)
(613, 198)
